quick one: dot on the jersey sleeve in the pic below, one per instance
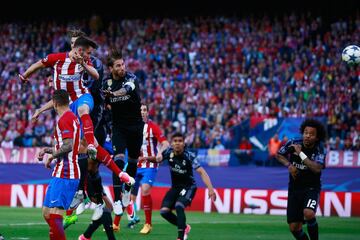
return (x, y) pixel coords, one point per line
(158, 133)
(320, 156)
(66, 127)
(286, 149)
(166, 154)
(194, 160)
(51, 59)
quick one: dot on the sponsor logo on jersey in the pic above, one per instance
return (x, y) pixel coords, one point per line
(70, 78)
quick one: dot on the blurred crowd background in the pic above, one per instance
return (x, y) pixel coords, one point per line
(199, 75)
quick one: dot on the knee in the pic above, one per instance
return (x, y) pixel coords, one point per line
(145, 191)
(309, 214)
(179, 206)
(83, 109)
(164, 212)
(119, 156)
(294, 227)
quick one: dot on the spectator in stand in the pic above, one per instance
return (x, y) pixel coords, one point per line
(273, 147)
(244, 152)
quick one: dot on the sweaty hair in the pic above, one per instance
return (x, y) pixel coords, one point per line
(76, 33)
(178, 134)
(85, 42)
(114, 55)
(320, 129)
(61, 97)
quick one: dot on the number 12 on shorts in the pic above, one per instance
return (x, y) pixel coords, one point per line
(311, 204)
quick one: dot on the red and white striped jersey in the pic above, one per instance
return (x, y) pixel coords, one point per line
(68, 126)
(152, 135)
(68, 75)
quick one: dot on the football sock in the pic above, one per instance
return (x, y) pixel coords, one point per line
(300, 235)
(117, 219)
(181, 219)
(88, 129)
(117, 184)
(147, 200)
(107, 223)
(57, 226)
(104, 157)
(83, 164)
(96, 184)
(69, 212)
(313, 229)
(131, 170)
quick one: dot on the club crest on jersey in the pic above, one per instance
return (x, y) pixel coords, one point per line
(109, 82)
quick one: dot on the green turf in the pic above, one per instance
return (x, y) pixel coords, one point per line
(27, 223)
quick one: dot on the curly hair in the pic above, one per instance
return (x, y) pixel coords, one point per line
(320, 129)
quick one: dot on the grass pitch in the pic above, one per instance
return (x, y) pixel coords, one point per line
(27, 223)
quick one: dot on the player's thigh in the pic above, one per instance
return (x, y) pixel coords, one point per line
(85, 104)
(135, 140)
(118, 141)
(294, 211)
(149, 177)
(311, 199)
(186, 195)
(170, 198)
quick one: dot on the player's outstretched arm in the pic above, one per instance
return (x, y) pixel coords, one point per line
(45, 107)
(206, 179)
(32, 69)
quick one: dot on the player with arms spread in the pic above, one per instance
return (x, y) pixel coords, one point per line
(305, 159)
(183, 187)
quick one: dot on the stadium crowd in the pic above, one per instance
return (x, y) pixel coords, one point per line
(201, 75)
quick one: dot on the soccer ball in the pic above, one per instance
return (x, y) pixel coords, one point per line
(351, 55)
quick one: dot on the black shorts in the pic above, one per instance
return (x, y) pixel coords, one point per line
(96, 115)
(128, 137)
(183, 195)
(298, 200)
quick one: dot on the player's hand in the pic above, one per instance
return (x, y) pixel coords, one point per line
(35, 116)
(23, 79)
(120, 92)
(41, 155)
(297, 148)
(78, 58)
(48, 162)
(293, 171)
(108, 93)
(212, 195)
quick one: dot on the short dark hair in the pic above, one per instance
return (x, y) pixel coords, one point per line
(178, 134)
(85, 42)
(76, 33)
(61, 97)
(114, 55)
(320, 129)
